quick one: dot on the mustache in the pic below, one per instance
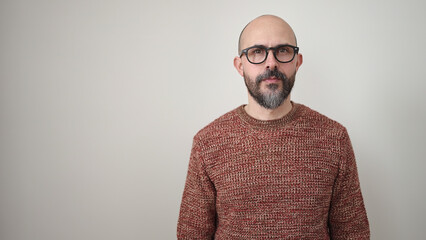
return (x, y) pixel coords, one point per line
(271, 73)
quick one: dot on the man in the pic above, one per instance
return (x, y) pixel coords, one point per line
(272, 169)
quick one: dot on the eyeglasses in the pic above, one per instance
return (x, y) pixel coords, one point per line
(258, 53)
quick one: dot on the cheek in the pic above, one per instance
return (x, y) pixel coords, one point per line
(252, 71)
(289, 69)
(251, 76)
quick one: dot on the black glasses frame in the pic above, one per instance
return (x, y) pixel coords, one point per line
(244, 51)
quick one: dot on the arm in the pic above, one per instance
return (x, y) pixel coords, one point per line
(198, 210)
(347, 216)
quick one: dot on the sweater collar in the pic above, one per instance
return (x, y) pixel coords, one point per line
(281, 122)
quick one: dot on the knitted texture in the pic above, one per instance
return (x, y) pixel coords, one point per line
(291, 178)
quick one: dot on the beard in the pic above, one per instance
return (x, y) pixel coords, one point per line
(273, 97)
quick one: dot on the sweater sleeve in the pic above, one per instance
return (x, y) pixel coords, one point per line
(197, 215)
(347, 216)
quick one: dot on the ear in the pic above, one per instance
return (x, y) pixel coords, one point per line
(238, 65)
(299, 61)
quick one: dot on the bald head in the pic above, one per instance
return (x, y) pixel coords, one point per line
(264, 28)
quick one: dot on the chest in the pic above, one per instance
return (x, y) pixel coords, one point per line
(273, 169)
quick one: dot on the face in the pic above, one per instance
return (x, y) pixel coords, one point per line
(270, 82)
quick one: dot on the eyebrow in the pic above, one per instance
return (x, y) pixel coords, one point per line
(259, 45)
(279, 45)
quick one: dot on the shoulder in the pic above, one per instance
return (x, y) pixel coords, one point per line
(220, 126)
(311, 119)
(321, 129)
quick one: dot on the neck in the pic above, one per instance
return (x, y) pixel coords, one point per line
(258, 112)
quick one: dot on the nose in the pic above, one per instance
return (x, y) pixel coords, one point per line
(270, 61)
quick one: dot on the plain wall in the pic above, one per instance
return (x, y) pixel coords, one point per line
(100, 100)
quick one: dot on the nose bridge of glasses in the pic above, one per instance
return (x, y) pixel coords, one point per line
(274, 55)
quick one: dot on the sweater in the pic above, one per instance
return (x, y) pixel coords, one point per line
(290, 178)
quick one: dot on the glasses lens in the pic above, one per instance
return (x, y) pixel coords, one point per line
(284, 53)
(256, 55)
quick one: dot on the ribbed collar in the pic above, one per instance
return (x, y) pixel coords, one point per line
(281, 122)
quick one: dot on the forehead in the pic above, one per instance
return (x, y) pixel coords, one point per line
(269, 32)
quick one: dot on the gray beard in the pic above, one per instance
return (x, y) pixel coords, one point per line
(275, 96)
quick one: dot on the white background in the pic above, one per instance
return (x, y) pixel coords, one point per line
(100, 100)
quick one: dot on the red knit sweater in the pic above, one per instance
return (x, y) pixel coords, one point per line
(291, 178)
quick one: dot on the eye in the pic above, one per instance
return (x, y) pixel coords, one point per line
(257, 50)
(284, 49)
(256, 54)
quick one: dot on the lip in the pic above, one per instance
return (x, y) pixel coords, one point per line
(271, 80)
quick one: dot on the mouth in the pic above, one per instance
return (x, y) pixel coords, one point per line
(271, 80)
